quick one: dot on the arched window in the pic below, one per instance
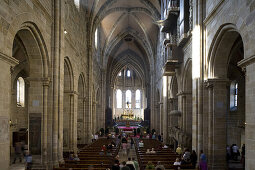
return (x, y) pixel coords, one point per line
(128, 73)
(119, 98)
(128, 98)
(138, 99)
(20, 92)
(233, 95)
(96, 38)
(77, 4)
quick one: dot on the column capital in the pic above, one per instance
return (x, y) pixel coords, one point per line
(71, 92)
(46, 81)
(210, 83)
(184, 93)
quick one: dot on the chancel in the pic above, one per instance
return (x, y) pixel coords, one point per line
(147, 84)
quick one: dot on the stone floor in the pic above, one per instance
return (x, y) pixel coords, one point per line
(21, 165)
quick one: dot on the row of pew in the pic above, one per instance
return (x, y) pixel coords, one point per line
(166, 156)
(91, 157)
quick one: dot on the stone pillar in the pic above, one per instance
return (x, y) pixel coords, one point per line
(94, 123)
(45, 120)
(181, 107)
(57, 118)
(217, 123)
(83, 135)
(87, 121)
(5, 90)
(74, 100)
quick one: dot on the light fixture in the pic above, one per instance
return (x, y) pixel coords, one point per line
(65, 32)
(12, 124)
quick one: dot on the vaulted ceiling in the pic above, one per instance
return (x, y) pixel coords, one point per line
(128, 33)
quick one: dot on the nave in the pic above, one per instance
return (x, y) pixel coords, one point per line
(71, 69)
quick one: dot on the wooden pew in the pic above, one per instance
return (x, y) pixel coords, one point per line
(89, 156)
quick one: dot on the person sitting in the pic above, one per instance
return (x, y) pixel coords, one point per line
(113, 143)
(165, 146)
(179, 150)
(177, 162)
(108, 153)
(76, 158)
(103, 148)
(109, 146)
(186, 157)
(96, 136)
(150, 165)
(71, 157)
(148, 151)
(124, 166)
(141, 144)
(101, 152)
(130, 164)
(116, 165)
(159, 166)
(152, 150)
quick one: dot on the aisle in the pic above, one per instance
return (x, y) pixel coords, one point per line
(123, 156)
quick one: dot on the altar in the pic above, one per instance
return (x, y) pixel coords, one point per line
(127, 114)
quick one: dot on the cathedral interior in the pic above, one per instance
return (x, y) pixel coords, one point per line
(71, 69)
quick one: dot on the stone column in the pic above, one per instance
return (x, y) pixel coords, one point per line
(57, 118)
(94, 123)
(6, 63)
(87, 121)
(74, 100)
(133, 98)
(83, 137)
(217, 123)
(45, 120)
(180, 108)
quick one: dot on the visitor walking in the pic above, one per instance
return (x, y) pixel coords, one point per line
(202, 162)
(18, 152)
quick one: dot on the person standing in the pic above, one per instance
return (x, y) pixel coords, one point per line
(28, 159)
(193, 158)
(18, 152)
(235, 151)
(159, 137)
(243, 155)
(154, 135)
(135, 163)
(202, 162)
(132, 143)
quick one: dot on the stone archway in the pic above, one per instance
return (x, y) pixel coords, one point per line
(81, 111)
(222, 71)
(185, 97)
(29, 120)
(69, 137)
